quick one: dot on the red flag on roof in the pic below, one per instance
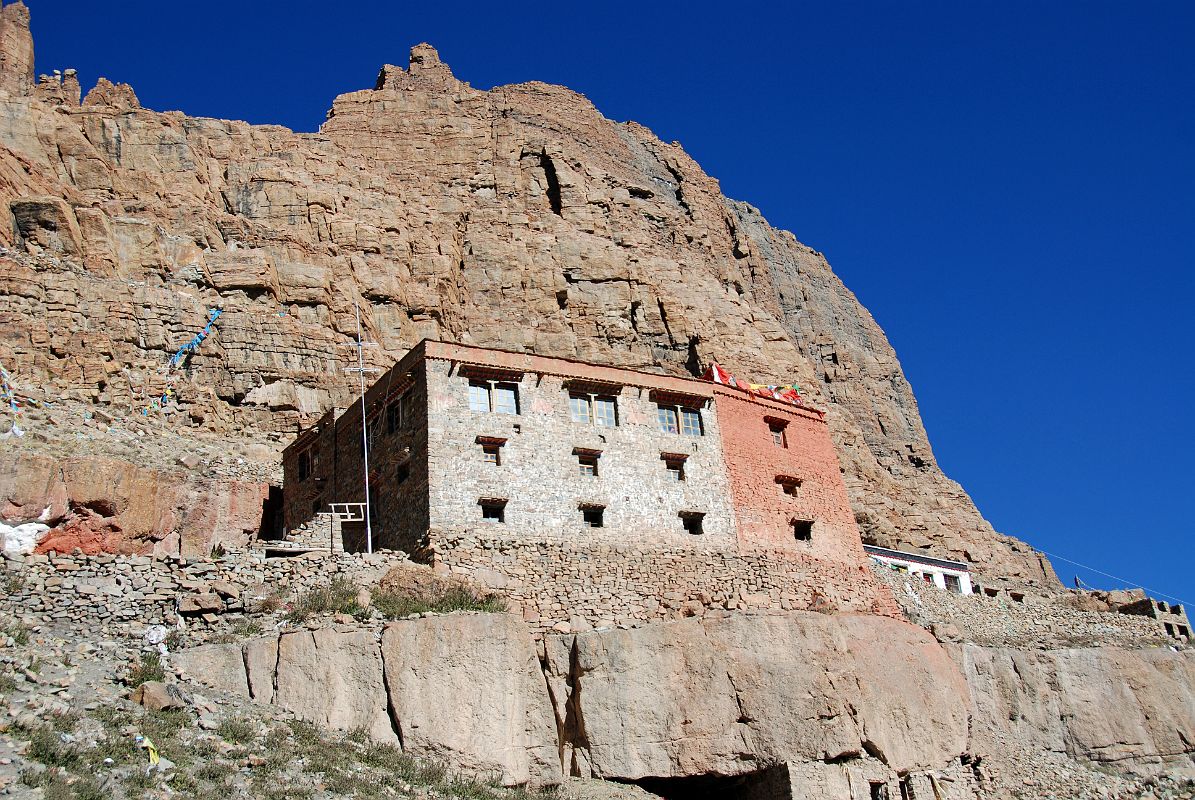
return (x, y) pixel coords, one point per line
(718, 375)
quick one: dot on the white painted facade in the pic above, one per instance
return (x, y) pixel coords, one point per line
(952, 576)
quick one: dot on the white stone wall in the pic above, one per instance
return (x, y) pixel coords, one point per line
(540, 477)
(937, 574)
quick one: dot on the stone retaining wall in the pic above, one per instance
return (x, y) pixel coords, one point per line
(118, 590)
(1037, 620)
(560, 586)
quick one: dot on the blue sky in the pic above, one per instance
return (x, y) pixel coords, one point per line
(1007, 186)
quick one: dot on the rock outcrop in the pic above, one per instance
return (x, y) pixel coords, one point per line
(100, 504)
(517, 217)
(830, 701)
(730, 693)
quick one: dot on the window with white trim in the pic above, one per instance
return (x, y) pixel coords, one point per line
(497, 397)
(595, 409)
(679, 419)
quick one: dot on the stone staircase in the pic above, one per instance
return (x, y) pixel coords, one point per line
(317, 533)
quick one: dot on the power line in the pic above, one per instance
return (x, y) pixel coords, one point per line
(1151, 592)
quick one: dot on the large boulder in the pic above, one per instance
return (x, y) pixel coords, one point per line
(728, 693)
(219, 666)
(334, 679)
(467, 689)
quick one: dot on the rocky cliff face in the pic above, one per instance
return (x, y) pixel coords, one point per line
(839, 701)
(518, 217)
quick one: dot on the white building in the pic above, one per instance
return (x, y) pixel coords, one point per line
(954, 576)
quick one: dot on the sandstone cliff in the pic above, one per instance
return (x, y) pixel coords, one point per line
(517, 217)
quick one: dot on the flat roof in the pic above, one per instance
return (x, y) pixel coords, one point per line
(919, 558)
(576, 368)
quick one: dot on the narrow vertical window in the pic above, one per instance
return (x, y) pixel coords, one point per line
(393, 416)
(779, 437)
(690, 422)
(479, 396)
(506, 398)
(402, 472)
(304, 465)
(579, 408)
(605, 412)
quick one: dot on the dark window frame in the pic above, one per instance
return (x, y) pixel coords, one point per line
(493, 510)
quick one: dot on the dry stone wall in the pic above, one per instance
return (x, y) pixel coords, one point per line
(564, 586)
(1037, 620)
(120, 591)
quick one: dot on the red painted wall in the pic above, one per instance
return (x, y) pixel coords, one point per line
(753, 460)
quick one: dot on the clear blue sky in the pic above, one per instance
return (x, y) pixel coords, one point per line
(1007, 186)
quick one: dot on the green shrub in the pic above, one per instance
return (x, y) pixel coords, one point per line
(237, 731)
(396, 604)
(338, 597)
(45, 747)
(16, 631)
(150, 669)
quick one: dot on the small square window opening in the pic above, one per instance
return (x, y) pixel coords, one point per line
(588, 465)
(592, 516)
(953, 583)
(789, 486)
(692, 522)
(803, 530)
(493, 510)
(676, 469)
(491, 454)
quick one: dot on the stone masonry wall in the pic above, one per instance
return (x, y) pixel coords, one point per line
(108, 590)
(540, 475)
(398, 495)
(1046, 620)
(565, 586)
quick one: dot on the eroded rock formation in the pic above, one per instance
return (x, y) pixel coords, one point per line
(517, 217)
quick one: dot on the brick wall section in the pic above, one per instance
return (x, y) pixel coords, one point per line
(753, 461)
(572, 584)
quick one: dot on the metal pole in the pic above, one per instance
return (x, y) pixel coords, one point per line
(364, 427)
